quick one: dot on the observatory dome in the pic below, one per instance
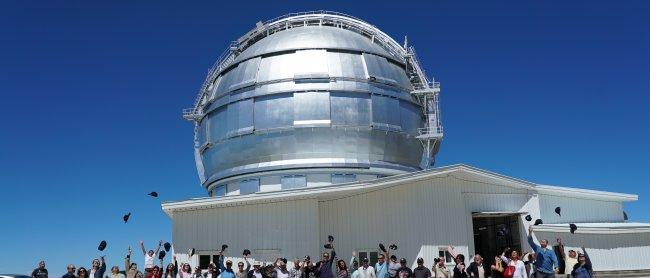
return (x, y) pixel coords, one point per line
(308, 100)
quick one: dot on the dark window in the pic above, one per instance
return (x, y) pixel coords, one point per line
(204, 261)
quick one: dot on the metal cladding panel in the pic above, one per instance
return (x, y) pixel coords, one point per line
(350, 109)
(219, 126)
(312, 37)
(274, 111)
(289, 227)
(311, 108)
(420, 218)
(578, 210)
(240, 117)
(608, 251)
(342, 64)
(383, 112)
(203, 133)
(410, 117)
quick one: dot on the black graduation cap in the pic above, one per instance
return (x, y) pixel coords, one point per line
(246, 252)
(392, 247)
(126, 217)
(538, 222)
(529, 218)
(330, 238)
(161, 254)
(327, 246)
(167, 246)
(102, 245)
(573, 227)
(625, 216)
(558, 210)
(190, 252)
(224, 247)
(153, 194)
(382, 247)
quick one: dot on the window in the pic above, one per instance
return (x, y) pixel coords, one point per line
(442, 253)
(204, 261)
(219, 191)
(311, 108)
(249, 186)
(371, 255)
(343, 178)
(383, 112)
(350, 109)
(293, 181)
(379, 69)
(274, 111)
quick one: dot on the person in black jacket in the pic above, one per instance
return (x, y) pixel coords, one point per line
(70, 273)
(98, 268)
(477, 266)
(256, 272)
(324, 267)
(40, 271)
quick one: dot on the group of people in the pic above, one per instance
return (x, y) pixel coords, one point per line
(540, 263)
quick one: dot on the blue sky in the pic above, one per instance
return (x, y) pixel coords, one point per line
(91, 95)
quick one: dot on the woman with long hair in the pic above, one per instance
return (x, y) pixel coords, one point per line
(172, 269)
(186, 271)
(497, 267)
(515, 267)
(82, 272)
(342, 269)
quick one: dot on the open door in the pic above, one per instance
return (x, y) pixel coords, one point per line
(493, 232)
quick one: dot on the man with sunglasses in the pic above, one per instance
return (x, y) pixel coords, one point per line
(324, 267)
(241, 272)
(98, 268)
(226, 270)
(256, 272)
(155, 272)
(70, 273)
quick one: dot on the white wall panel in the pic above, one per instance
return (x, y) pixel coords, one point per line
(578, 210)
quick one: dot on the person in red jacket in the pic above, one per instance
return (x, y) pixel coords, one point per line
(155, 273)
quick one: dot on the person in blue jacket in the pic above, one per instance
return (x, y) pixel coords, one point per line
(546, 264)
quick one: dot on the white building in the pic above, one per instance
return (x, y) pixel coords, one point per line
(421, 212)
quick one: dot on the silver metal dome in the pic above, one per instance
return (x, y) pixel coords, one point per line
(313, 99)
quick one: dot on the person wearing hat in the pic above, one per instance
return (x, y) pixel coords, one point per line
(366, 271)
(98, 268)
(478, 268)
(131, 269)
(241, 272)
(256, 272)
(583, 269)
(404, 271)
(149, 256)
(226, 269)
(40, 271)
(546, 264)
(440, 269)
(421, 271)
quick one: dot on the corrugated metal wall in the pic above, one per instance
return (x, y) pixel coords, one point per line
(608, 252)
(291, 227)
(576, 210)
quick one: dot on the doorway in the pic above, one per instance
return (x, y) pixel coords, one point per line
(493, 232)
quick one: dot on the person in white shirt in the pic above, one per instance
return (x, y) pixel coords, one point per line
(366, 271)
(149, 256)
(514, 263)
(281, 268)
(256, 272)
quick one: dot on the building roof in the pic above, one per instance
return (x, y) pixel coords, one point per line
(338, 190)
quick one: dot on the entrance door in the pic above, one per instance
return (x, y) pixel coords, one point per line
(494, 232)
